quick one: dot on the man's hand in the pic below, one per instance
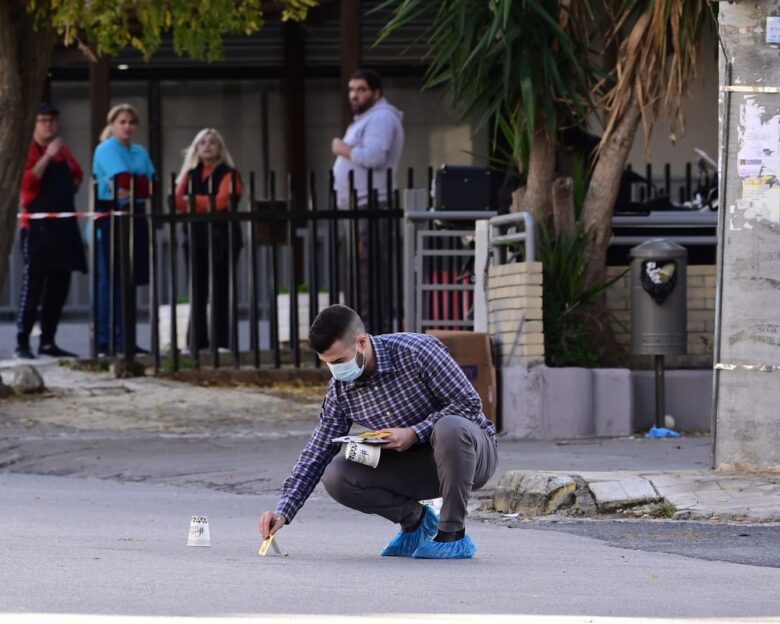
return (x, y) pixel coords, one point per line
(339, 148)
(54, 147)
(400, 439)
(269, 523)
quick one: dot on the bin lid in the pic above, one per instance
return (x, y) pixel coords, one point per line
(659, 248)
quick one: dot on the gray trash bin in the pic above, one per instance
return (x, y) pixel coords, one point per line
(659, 298)
(659, 325)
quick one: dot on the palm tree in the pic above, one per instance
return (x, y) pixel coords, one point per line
(530, 65)
(658, 42)
(521, 63)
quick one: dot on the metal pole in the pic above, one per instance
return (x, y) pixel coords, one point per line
(112, 271)
(253, 333)
(660, 395)
(274, 280)
(211, 302)
(335, 281)
(154, 321)
(194, 294)
(295, 343)
(173, 275)
(233, 230)
(94, 277)
(314, 291)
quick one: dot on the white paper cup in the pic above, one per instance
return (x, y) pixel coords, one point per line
(367, 454)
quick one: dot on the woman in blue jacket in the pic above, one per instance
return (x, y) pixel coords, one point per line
(118, 161)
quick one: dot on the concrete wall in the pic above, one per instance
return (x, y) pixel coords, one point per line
(701, 317)
(747, 354)
(688, 399)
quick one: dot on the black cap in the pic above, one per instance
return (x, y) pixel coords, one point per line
(47, 109)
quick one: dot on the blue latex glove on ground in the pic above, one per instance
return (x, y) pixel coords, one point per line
(662, 432)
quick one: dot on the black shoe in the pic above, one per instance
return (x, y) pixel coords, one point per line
(24, 353)
(141, 350)
(54, 351)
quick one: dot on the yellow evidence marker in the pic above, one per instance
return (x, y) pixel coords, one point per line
(267, 543)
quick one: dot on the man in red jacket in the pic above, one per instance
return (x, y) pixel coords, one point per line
(51, 247)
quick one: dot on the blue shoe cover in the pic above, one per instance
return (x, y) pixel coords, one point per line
(461, 549)
(404, 544)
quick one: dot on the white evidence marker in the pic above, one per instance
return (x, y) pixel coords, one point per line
(199, 532)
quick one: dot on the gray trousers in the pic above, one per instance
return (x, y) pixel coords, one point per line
(460, 458)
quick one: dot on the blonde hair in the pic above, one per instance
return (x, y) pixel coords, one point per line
(191, 153)
(114, 113)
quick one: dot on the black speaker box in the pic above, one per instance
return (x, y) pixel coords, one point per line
(464, 188)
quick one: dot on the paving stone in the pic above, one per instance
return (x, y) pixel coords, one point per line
(28, 380)
(533, 493)
(625, 492)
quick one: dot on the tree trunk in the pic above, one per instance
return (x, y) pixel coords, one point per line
(541, 173)
(602, 194)
(598, 211)
(563, 207)
(25, 53)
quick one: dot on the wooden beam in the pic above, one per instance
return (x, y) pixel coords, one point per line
(99, 98)
(154, 117)
(294, 98)
(294, 106)
(351, 50)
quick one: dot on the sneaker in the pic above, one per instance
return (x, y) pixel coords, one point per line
(24, 353)
(407, 542)
(463, 548)
(54, 351)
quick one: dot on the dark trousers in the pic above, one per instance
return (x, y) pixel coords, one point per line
(460, 458)
(219, 300)
(50, 290)
(375, 275)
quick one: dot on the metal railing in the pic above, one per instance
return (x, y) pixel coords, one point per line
(439, 269)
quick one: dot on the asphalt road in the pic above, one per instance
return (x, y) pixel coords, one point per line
(89, 547)
(98, 480)
(748, 544)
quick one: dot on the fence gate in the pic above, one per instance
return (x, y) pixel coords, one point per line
(438, 265)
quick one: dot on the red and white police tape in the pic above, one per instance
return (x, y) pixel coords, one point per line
(67, 215)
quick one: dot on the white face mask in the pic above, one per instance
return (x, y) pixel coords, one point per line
(348, 371)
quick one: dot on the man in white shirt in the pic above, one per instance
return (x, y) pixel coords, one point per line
(373, 143)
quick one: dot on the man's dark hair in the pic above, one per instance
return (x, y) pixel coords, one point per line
(373, 80)
(336, 322)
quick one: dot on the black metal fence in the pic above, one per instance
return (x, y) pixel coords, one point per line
(361, 247)
(352, 256)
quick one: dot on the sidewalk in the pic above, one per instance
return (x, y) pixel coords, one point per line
(674, 494)
(214, 436)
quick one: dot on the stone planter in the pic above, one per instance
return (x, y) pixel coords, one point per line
(182, 325)
(283, 313)
(542, 403)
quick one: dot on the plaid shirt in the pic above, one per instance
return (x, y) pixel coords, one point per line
(415, 383)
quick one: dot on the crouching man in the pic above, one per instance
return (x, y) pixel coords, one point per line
(440, 444)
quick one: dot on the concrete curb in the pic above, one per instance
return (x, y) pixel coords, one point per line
(689, 495)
